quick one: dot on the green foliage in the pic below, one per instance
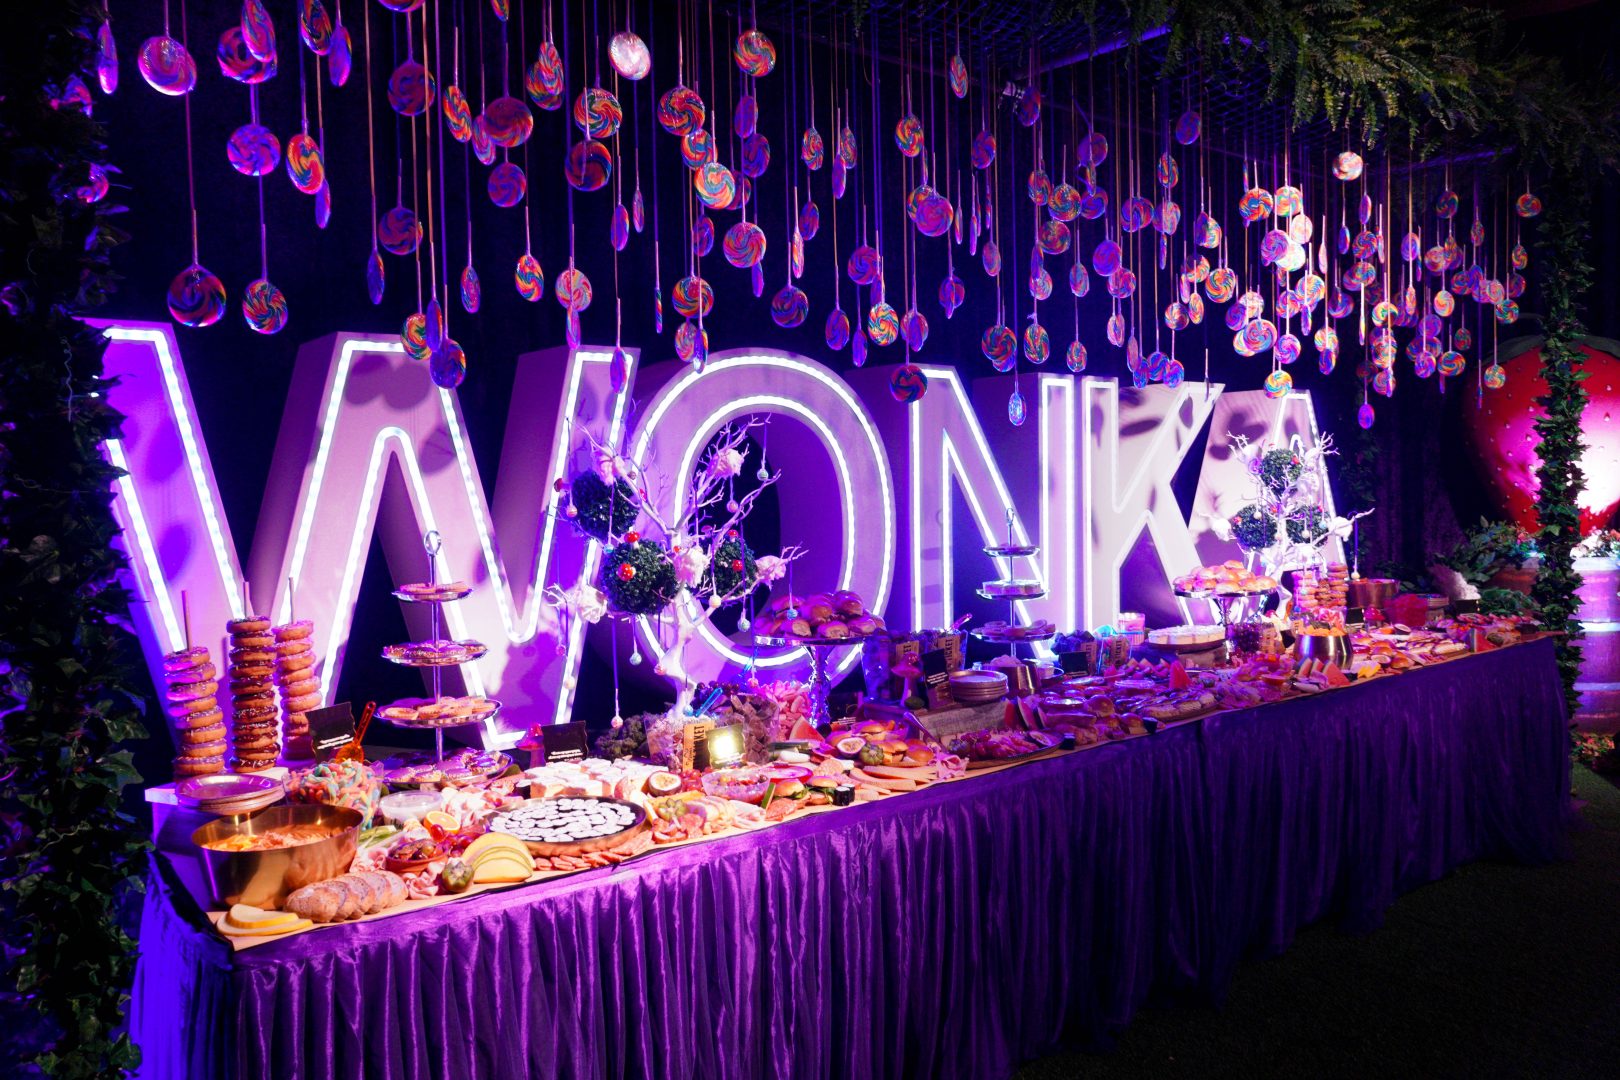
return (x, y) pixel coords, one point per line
(604, 512)
(1487, 548)
(1280, 469)
(69, 699)
(1565, 276)
(724, 578)
(1506, 602)
(1254, 528)
(648, 585)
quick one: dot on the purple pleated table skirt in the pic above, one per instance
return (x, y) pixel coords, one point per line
(951, 932)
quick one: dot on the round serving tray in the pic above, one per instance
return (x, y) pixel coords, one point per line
(1012, 551)
(1216, 594)
(469, 651)
(988, 595)
(230, 794)
(457, 777)
(774, 640)
(1184, 647)
(442, 596)
(577, 847)
(990, 763)
(441, 721)
(1009, 639)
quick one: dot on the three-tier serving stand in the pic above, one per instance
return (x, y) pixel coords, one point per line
(1000, 590)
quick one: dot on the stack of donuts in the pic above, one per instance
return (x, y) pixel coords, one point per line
(300, 687)
(253, 699)
(192, 684)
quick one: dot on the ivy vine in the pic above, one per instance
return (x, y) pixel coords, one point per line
(70, 702)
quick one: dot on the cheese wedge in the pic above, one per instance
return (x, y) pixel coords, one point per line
(493, 841)
(501, 867)
(227, 927)
(247, 917)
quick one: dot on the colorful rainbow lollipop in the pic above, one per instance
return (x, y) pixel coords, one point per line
(483, 147)
(1000, 347)
(745, 117)
(908, 135)
(237, 63)
(1079, 279)
(681, 111)
(509, 122)
(507, 184)
(1495, 377)
(1206, 231)
(619, 229)
(744, 245)
(447, 366)
(573, 289)
(1188, 126)
(1166, 171)
(253, 150)
(340, 57)
(399, 232)
(702, 235)
(529, 278)
(1115, 329)
(983, 151)
(755, 155)
(1347, 166)
(1037, 343)
(882, 323)
(1076, 357)
(812, 149)
(1135, 213)
(956, 72)
(691, 344)
(1255, 205)
(951, 293)
(836, 331)
(754, 53)
(596, 112)
(264, 307)
(1040, 283)
(258, 31)
(1121, 283)
(1039, 187)
(809, 220)
(544, 81)
(589, 166)
(1445, 204)
(413, 336)
(716, 187)
(305, 167)
(410, 89)
(106, 59)
(1527, 206)
(315, 26)
(376, 276)
(457, 114)
(697, 148)
(789, 307)
(914, 328)
(934, 214)
(908, 383)
(1167, 217)
(472, 291)
(1278, 383)
(196, 297)
(166, 66)
(864, 265)
(990, 258)
(692, 297)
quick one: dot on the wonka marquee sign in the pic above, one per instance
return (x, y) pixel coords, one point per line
(369, 446)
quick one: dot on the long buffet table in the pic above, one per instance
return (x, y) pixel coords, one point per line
(954, 931)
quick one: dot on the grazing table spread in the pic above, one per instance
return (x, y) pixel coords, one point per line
(953, 932)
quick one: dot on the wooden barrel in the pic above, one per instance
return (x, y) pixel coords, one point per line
(1599, 680)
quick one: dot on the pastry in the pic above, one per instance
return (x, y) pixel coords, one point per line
(299, 686)
(191, 689)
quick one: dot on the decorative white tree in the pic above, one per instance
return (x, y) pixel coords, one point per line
(1287, 525)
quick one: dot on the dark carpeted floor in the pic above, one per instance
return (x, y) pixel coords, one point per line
(1496, 971)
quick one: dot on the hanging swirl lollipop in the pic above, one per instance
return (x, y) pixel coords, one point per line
(1167, 217)
(1135, 213)
(619, 229)
(1476, 233)
(1383, 382)
(744, 245)
(1039, 187)
(1278, 383)
(1288, 201)
(589, 166)
(1495, 377)
(376, 276)
(315, 26)
(1222, 285)
(1347, 166)
(956, 72)
(1093, 203)
(934, 214)
(1000, 347)
(1359, 275)
(1206, 231)
(864, 265)
(1188, 126)
(809, 220)
(847, 152)
(1166, 171)
(702, 235)
(253, 150)
(983, 151)
(1079, 279)
(755, 155)
(1444, 304)
(882, 323)
(1287, 348)
(1526, 206)
(914, 328)
(237, 63)
(1175, 315)
(691, 344)
(1255, 205)
(745, 118)
(1272, 246)
(258, 31)
(457, 114)
(692, 297)
(264, 307)
(697, 148)
(1366, 245)
(509, 122)
(399, 232)
(196, 297)
(908, 383)
(166, 66)
(1040, 283)
(629, 55)
(323, 205)
(1115, 329)
(305, 167)
(1105, 257)
(1195, 309)
(789, 307)
(447, 366)
(1445, 204)
(716, 187)
(483, 147)
(1037, 343)
(681, 111)
(754, 53)
(990, 258)
(106, 59)
(951, 293)
(1121, 283)
(908, 135)
(836, 331)
(573, 289)
(596, 112)
(413, 337)
(340, 57)
(1064, 203)
(410, 89)
(544, 80)
(1506, 311)
(1092, 151)
(1029, 106)
(529, 278)
(812, 149)
(507, 184)
(472, 291)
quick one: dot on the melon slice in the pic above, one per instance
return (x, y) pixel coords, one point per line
(804, 731)
(1335, 675)
(501, 867)
(492, 841)
(247, 917)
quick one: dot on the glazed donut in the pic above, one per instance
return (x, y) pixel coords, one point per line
(295, 631)
(185, 659)
(249, 625)
(296, 685)
(244, 703)
(294, 668)
(200, 719)
(180, 710)
(258, 714)
(201, 736)
(253, 745)
(207, 749)
(260, 640)
(199, 766)
(300, 647)
(238, 657)
(297, 724)
(191, 691)
(304, 703)
(197, 673)
(249, 683)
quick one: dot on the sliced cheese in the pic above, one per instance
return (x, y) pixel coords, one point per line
(493, 841)
(247, 917)
(292, 924)
(501, 867)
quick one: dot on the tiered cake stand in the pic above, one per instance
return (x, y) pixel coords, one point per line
(435, 655)
(1012, 591)
(1222, 602)
(820, 650)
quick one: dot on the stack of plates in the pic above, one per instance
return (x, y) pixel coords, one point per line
(978, 687)
(228, 795)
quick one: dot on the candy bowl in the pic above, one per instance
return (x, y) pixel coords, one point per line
(744, 783)
(412, 853)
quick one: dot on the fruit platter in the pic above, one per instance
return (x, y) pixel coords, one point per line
(1000, 746)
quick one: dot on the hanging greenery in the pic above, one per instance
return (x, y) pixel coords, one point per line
(70, 704)
(1566, 276)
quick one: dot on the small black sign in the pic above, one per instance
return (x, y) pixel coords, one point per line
(331, 729)
(1355, 615)
(1465, 607)
(1075, 663)
(564, 742)
(936, 678)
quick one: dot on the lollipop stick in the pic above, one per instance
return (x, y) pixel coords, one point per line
(291, 614)
(247, 599)
(185, 618)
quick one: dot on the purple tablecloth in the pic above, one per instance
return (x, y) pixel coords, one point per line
(953, 932)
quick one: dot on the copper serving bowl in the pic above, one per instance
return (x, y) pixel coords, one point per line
(264, 878)
(1335, 648)
(1371, 592)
